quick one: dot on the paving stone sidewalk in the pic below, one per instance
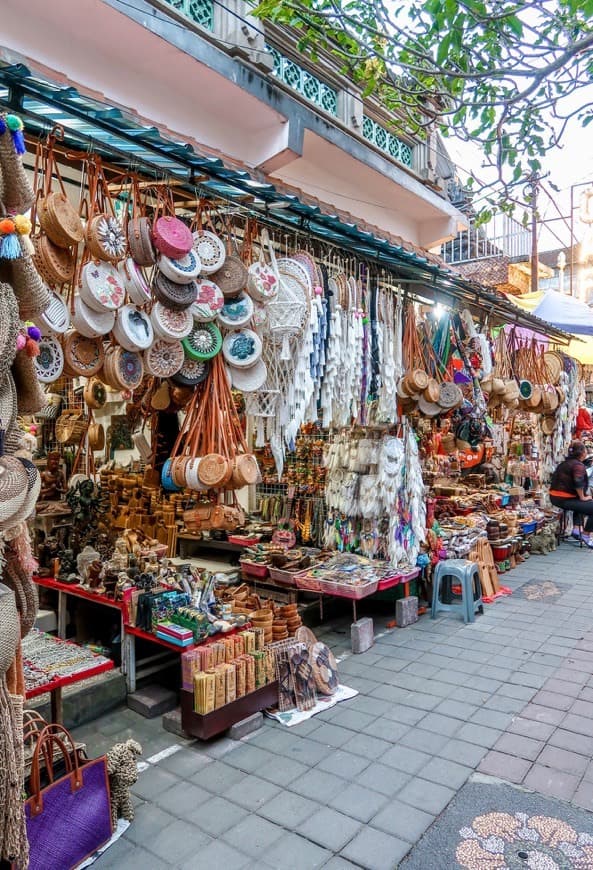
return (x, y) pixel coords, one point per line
(510, 695)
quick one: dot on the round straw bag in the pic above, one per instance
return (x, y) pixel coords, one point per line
(209, 301)
(449, 395)
(177, 471)
(498, 386)
(535, 399)
(171, 237)
(418, 380)
(242, 349)
(133, 328)
(554, 365)
(325, 669)
(94, 394)
(236, 313)
(96, 436)
(172, 295)
(60, 220)
(211, 251)
(166, 478)
(101, 286)
(548, 425)
(204, 342)
(431, 391)
(561, 393)
(215, 471)
(49, 363)
(245, 471)
(134, 281)
(232, 278)
(56, 316)
(191, 373)
(83, 357)
(511, 392)
(192, 479)
(54, 264)
(182, 270)
(429, 409)
(164, 358)
(105, 238)
(140, 241)
(550, 399)
(170, 324)
(70, 427)
(89, 322)
(251, 379)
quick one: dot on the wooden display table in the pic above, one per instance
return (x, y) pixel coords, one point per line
(211, 724)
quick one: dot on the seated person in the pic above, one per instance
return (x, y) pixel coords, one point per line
(568, 488)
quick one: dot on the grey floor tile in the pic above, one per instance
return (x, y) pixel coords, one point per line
(480, 734)
(283, 771)
(352, 719)
(288, 809)
(463, 752)
(216, 854)
(368, 747)
(387, 729)
(154, 781)
(405, 715)
(425, 795)
(330, 829)
(177, 842)
(358, 802)
(426, 741)
(218, 815)
(318, 785)
(149, 820)
(331, 735)
(375, 850)
(252, 792)
(445, 772)
(219, 776)
(343, 764)
(405, 758)
(181, 800)
(253, 835)
(185, 763)
(440, 724)
(249, 758)
(402, 820)
(293, 852)
(382, 778)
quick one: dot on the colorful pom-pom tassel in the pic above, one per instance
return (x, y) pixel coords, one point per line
(3, 126)
(31, 348)
(23, 225)
(34, 332)
(11, 247)
(18, 140)
(21, 341)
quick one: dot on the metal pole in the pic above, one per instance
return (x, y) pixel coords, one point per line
(534, 252)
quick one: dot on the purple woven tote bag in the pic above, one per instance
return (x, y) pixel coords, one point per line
(69, 819)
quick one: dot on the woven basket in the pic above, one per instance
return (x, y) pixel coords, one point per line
(54, 264)
(70, 427)
(60, 220)
(105, 238)
(215, 470)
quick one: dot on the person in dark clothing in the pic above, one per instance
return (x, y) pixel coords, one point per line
(569, 487)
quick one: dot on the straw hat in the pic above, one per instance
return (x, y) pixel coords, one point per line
(9, 327)
(14, 488)
(16, 192)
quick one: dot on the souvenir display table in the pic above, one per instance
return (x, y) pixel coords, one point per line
(47, 669)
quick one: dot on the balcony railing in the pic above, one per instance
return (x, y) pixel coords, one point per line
(503, 236)
(304, 82)
(386, 141)
(200, 12)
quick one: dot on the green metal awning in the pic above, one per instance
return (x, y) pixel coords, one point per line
(115, 135)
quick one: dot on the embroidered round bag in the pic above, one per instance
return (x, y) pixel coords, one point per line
(164, 358)
(101, 286)
(171, 237)
(89, 322)
(209, 301)
(140, 241)
(129, 368)
(83, 356)
(134, 281)
(236, 312)
(56, 316)
(203, 342)
(174, 295)
(191, 373)
(49, 363)
(105, 238)
(60, 220)
(262, 278)
(133, 328)
(210, 249)
(182, 270)
(242, 348)
(169, 323)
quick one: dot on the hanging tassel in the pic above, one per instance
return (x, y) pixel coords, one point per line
(16, 126)
(11, 247)
(259, 433)
(285, 352)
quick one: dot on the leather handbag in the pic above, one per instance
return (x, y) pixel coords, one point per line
(69, 819)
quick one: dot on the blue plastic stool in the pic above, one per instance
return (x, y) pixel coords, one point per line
(468, 576)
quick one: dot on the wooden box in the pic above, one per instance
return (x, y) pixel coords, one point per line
(205, 727)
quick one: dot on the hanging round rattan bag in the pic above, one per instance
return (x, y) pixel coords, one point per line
(167, 479)
(450, 396)
(94, 393)
(133, 328)
(96, 436)
(173, 295)
(140, 241)
(232, 278)
(171, 237)
(548, 425)
(182, 270)
(56, 316)
(171, 324)
(209, 301)
(164, 358)
(49, 363)
(204, 342)
(191, 373)
(251, 379)
(211, 251)
(60, 220)
(89, 322)
(554, 365)
(105, 238)
(215, 470)
(236, 313)
(54, 264)
(242, 349)
(429, 409)
(101, 286)
(83, 356)
(134, 282)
